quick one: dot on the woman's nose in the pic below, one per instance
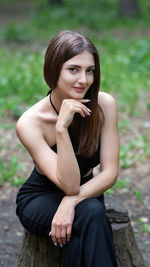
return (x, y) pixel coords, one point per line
(82, 77)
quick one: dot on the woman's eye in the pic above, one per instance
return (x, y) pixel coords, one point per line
(73, 70)
(91, 70)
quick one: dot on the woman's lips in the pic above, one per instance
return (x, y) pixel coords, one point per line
(79, 89)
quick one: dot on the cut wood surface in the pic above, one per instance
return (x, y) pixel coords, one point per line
(40, 251)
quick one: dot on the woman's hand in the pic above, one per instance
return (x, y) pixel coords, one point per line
(62, 222)
(68, 108)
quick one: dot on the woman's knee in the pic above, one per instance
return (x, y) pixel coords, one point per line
(33, 226)
(91, 207)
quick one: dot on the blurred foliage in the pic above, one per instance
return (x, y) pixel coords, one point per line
(17, 33)
(120, 184)
(123, 44)
(137, 150)
(124, 52)
(8, 171)
(124, 71)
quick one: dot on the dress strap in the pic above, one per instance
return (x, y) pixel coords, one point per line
(49, 92)
(50, 99)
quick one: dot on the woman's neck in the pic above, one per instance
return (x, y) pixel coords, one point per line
(56, 100)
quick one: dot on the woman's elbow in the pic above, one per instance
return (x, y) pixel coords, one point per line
(69, 188)
(114, 177)
(72, 191)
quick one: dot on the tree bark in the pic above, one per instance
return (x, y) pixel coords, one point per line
(129, 8)
(55, 2)
(40, 251)
(127, 252)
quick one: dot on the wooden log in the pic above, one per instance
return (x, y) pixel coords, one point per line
(127, 252)
(40, 251)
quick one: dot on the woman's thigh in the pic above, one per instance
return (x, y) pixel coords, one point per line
(92, 207)
(38, 213)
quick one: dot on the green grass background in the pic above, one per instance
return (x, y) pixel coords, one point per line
(123, 44)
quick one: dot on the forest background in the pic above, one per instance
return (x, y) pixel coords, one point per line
(121, 32)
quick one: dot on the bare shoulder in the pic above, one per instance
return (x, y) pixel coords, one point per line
(28, 120)
(106, 101)
(109, 107)
(37, 115)
(36, 121)
(27, 127)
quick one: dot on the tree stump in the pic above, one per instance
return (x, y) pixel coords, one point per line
(127, 252)
(40, 251)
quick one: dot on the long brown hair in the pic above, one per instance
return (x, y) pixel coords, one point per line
(65, 45)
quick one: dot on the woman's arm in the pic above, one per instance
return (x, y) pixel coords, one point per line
(109, 161)
(68, 171)
(109, 152)
(61, 168)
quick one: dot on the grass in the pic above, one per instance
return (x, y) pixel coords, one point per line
(6, 126)
(123, 44)
(144, 228)
(8, 172)
(120, 184)
(17, 33)
(119, 74)
(137, 150)
(125, 61)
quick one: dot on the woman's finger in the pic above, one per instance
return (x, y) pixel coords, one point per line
(63, 235)
(84, 100)
(53, 236)
(82, 111)
(58, 236)
(85, 109)
(69, 232)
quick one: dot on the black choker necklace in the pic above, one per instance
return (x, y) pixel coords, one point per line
(50, 99)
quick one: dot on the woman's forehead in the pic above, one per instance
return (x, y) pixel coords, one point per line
(83, 59)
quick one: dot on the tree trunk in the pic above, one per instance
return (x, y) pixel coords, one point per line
(39, 251)
(127, 252)
(129, 8)
(55, 2)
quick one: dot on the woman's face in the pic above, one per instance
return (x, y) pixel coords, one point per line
(76, 76)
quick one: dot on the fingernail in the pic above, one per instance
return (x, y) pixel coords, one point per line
(61, 245)
(87, 100)
(55, 244)
(89, 110)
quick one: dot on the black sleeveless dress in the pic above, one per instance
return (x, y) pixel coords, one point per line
(91, 243)
(38, 185)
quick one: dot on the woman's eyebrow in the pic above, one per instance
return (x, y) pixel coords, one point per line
(77, 66)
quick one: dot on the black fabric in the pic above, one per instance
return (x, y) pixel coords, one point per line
(91, 243)
(85, 164)
(37, 186)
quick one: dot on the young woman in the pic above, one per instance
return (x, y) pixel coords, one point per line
(67, 134)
